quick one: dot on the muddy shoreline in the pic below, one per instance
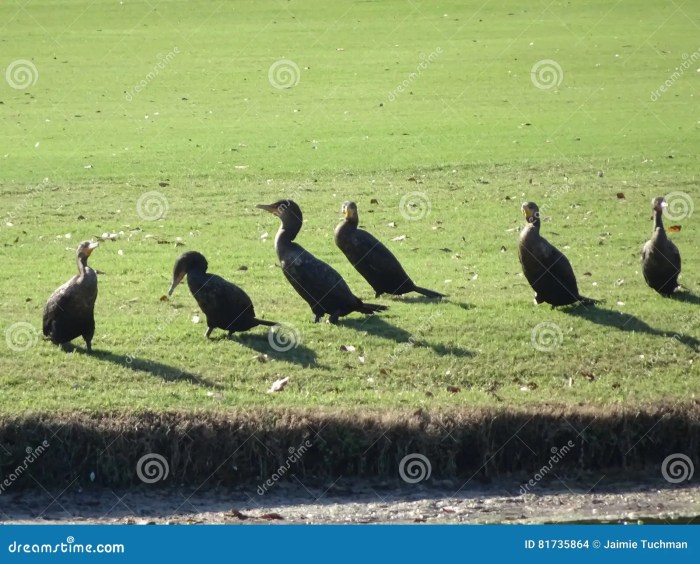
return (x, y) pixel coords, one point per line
(358, 502)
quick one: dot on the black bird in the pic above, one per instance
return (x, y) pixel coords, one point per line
(225, 305)
(661, 260)
(320, 285)
(546, 268)
(372, 259)
(70, 311)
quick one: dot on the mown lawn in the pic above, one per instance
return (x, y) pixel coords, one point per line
(165, 127)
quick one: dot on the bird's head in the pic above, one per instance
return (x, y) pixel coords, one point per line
(191, 260)
(349, 211)
(531, 211)
(86, 247)
(658, 204)
(287, 210)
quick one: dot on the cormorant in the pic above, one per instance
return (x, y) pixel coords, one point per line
(225, 305)
(318, 283)
(372, 259)
(70, 311)
(546, 268)
(661, 260)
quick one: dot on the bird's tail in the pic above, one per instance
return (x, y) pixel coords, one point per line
(429, 293)
(266, 323)
(371, 308)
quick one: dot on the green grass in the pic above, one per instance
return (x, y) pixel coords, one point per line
(470, 131)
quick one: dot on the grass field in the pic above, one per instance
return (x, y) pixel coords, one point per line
(165, 124)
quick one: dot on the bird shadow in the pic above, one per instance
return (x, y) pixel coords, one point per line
(419, 299)
(164, 371)
(686, 296)
(379, 327)
(626, 322)
(297, 353)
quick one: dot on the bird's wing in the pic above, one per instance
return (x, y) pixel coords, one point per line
(314, 279)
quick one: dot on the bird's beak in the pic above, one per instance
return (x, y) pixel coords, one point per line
(664, 204)
(268, 208)
(91, 247)
(174, 285)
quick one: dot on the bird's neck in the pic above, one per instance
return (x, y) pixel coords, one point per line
(534, 224)
(82, 266)
(286, 234)
(658, 220)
